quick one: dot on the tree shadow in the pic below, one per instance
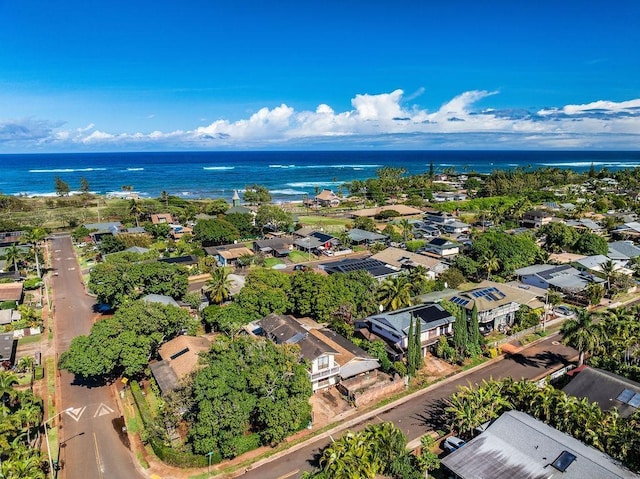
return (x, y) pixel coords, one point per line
(434, 416)
(541, 360)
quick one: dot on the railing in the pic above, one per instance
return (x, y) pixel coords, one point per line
(324, 373)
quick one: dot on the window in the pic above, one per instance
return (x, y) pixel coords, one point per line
(323, 362)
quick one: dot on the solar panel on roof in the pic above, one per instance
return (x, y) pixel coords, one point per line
(635, 401)
(625, 396)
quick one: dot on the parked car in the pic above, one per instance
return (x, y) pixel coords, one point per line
(301, 267)
(452, 443)
(563, 310)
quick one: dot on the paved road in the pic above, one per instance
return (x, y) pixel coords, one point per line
(93, 445)
(420, 415)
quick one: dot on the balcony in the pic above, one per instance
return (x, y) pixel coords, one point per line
(324, 374)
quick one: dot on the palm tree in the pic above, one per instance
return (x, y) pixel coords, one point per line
(405, 226)
(7, 381)
(608, 270)
(218, 287)
(13, 254)
(135, 211)
(583, 334)
(34, 237)
(395, 293)
(490, 262)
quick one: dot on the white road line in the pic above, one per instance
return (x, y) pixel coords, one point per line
(103, 410)
(97, 452)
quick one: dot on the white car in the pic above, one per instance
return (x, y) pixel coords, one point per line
(452, 443)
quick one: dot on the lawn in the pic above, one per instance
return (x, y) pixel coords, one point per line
(300, 257)
(323, 221)
(36, 338)
(271, 262)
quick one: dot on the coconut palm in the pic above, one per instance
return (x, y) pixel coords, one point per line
(406, 228)
(395, 293)
(608, 271)
(218, 288)
(583, 334)
(135, 210)
(13, 254)
(490, 262)
(34, 237)
(7, 381)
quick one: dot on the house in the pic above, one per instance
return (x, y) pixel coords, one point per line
(11, 292)
(623, 251)
(517, 446)
(7, 316)
(228, 254)
(327, 198)
(188, 261)
(563, 277)
(331, 356)
(444, 196)
(276, 247)
(375, 268)
(324, 371)
(585, 224)
(358, 236)
(162, 218)
(439, 218)
(398, 258)
(495, 303)
(109, 227)
(8, 238)
(455, 227)
(596, 264)
(180, 357)
(178, 231)
(536, 218)
(606, 389)
(316, 241)
(442, 247)
(393, 326)
(7, 350)
(160, 299)
(425, 230)
(628, 230)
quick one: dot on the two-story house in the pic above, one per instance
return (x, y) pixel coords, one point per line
(536, 218)
(496, 304)
(393, 326)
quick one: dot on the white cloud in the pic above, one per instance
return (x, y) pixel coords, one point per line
(386, 120)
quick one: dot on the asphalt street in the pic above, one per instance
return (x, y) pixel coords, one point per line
(92, 442)
(422, 414)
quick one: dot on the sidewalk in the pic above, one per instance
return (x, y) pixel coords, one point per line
(303, 438)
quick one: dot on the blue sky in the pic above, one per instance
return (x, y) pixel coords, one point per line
(129, 76)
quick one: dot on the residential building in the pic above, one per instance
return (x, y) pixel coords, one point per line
(439, 217)
(162, 218)
(188, 261)
(7, 316)
(606, 389)
(496, 304)
(398, 258)
(517, 446)
(585, 224)
(442, 247)
(277, 247)
(8, 347)
(327, 198)
(623, 251)
(375, 268)
(455, 227)
(331, 356)
(358, 236)
(8, 238)
(393, 326)
(11, 292)
(180, 356)
(228, 254)
(536, 218)
(564, 278)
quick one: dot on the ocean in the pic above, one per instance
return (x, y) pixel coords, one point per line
(289, 175)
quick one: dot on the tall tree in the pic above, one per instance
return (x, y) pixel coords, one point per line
(12, 254)
(218, 287)
(62, 187)
(34, 237)
(395, 293)
(583, 334)
(84, 186)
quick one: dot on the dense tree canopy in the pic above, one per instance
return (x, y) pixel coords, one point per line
(510, 251)
(273, 218)
(256, 194)
(125, 342)
(243, 223)
(215, 232)
(117, 283)
(248, 385)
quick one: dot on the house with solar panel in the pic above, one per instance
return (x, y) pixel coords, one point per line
(496, 304)
(393, 326)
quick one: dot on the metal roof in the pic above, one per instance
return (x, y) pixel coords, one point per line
(518, 446)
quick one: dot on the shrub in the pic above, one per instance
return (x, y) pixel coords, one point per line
(32, 283)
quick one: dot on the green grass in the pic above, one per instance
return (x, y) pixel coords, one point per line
(271, 262)
(143, 463)
(36, 338)
(300, 257)
(323, 220)
(50, 372)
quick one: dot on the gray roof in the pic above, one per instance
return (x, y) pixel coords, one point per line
(137, 249)
(592, 262)
(104, 227)
(160, 298)
(358, 235)
(308, 242)
(285, 329)
(165, 376)
(431, 316)
(7, 342)
(623, 250)
(519, 446)
(9, 315)
(604, 388)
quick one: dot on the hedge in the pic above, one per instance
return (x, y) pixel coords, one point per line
(164, 452)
